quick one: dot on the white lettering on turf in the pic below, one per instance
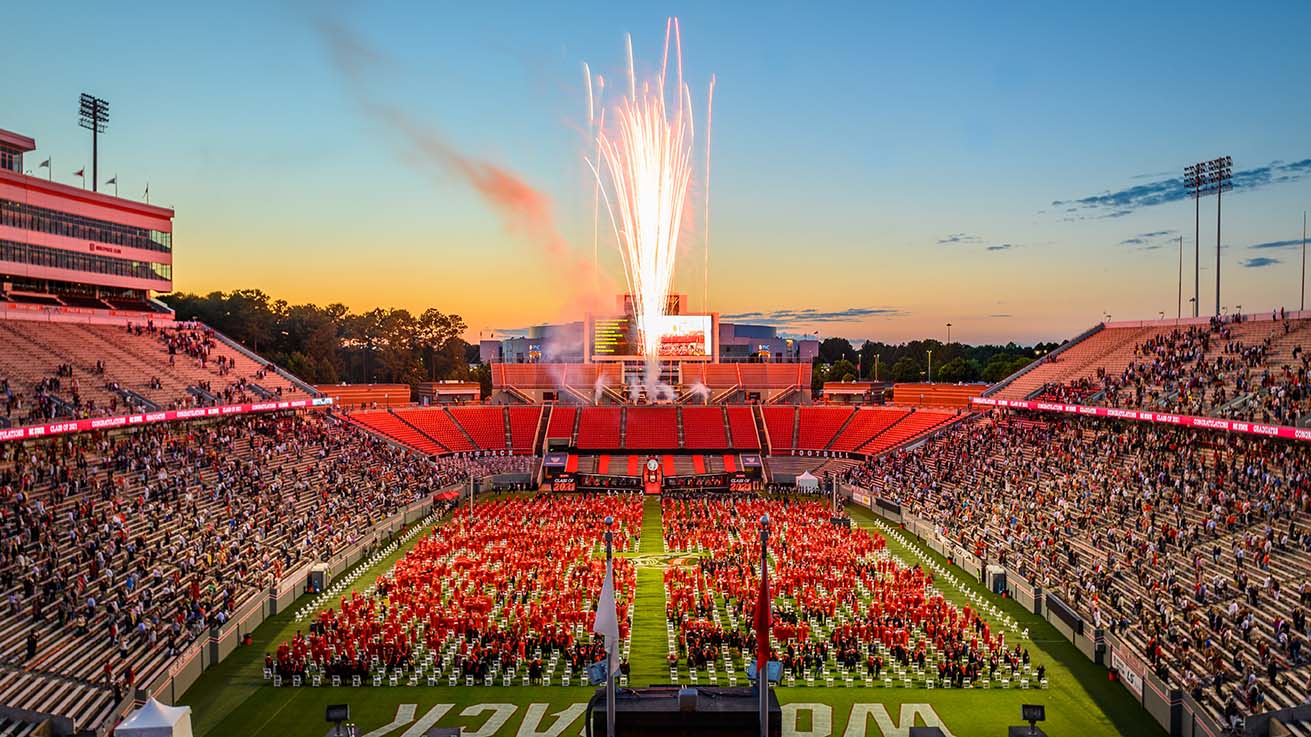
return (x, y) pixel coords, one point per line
(422, 726)
(501, 714)
(563, 719)
(821, 720)
(404, 715)
(860, 714)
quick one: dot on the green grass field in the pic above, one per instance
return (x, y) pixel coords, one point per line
(233, 699)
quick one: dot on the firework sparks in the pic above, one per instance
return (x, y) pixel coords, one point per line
(644, 168)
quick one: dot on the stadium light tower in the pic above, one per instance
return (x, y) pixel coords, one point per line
(1214, 177)
(1194, 178)
(93, 114)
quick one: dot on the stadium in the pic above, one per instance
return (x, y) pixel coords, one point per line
(222, 514)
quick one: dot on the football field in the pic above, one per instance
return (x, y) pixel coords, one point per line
(234, 699)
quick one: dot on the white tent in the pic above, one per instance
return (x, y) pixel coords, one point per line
(807, 481)
(154, 719)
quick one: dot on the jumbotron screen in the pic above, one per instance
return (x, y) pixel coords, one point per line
(681, 336)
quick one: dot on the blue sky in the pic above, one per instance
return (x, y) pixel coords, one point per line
(892, 167)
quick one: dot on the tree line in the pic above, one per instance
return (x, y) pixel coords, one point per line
(839, 360)
(331, 344)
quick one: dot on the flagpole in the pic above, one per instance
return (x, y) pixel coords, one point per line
(611, 648)
(762, 664)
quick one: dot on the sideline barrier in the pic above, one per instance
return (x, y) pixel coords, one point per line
(147, 418)
(1162, 418)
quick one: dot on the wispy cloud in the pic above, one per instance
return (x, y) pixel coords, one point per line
(1166, 189)
(1149, 241)
(811, 316)
(1000, 314)
(970, 239)
(1277, 244)
(1259, 262)
(955, 238)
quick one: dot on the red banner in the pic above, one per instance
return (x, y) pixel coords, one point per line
(146, 418)
(1164, 418)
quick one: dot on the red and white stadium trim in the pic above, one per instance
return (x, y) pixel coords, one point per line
(1164, 418)
(146, 418)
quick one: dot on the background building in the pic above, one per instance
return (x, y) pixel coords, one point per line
(67, 249)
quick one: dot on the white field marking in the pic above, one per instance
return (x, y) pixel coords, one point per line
(404, 715)
(422, 726)
(821, 720)
(860, 714)
(563, 719)
(501, 714)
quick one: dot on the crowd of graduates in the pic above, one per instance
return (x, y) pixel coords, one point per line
(822, 574)
(512, 585)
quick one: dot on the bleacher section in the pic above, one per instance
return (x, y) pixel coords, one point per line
(868, 423)
(818, 425)
(485, 425)
(318, 488)
(437, 424)
(561, 426)
(703, 428)
(780, 424)
(649, 428)
(442, 431)
(574, 382)
(742, 426)
(599, 428)
(917, 423)
(385, 423)
(112, 370)
(1208, 590)
(1254, 369)
(1110, 348)
(524, 422)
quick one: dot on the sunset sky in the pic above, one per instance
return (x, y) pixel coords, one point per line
(879, 169)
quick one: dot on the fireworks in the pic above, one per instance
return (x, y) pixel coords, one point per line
(644, 168)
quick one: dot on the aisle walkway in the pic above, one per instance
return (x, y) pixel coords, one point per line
(650, 647)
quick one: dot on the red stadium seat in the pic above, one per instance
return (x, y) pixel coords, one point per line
(486, 425)
(649, 428)
(703, 428)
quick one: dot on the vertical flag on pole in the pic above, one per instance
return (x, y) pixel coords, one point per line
(607, 619)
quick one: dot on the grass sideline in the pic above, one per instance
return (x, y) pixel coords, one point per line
(233, 699)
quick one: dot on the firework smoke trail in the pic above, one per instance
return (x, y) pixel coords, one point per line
(596, 186)
(644, 169)
(710, 116)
